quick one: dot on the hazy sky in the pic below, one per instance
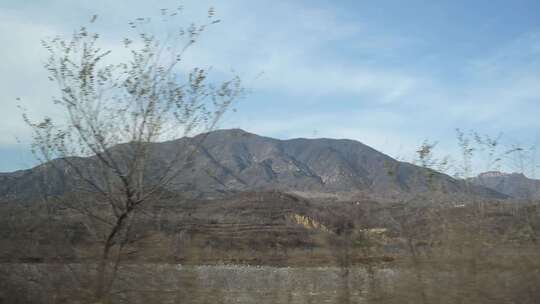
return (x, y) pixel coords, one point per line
(387, 73)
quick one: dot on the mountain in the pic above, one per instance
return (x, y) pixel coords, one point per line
(515, 185)
(228, 161)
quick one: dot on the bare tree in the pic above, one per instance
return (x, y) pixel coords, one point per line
(114, 112)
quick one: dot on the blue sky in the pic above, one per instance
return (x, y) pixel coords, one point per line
(387, 73)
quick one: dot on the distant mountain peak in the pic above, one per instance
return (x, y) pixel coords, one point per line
(232, 132)
(495, 174)
(515, 184)
(492, 174)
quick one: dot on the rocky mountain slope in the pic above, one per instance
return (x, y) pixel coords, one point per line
(515, 185)
(228, 161)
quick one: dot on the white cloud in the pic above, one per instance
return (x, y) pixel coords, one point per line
(281, 39)
(22, 74)
(299, 49)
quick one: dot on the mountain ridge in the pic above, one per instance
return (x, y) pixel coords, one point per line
(233, 160)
